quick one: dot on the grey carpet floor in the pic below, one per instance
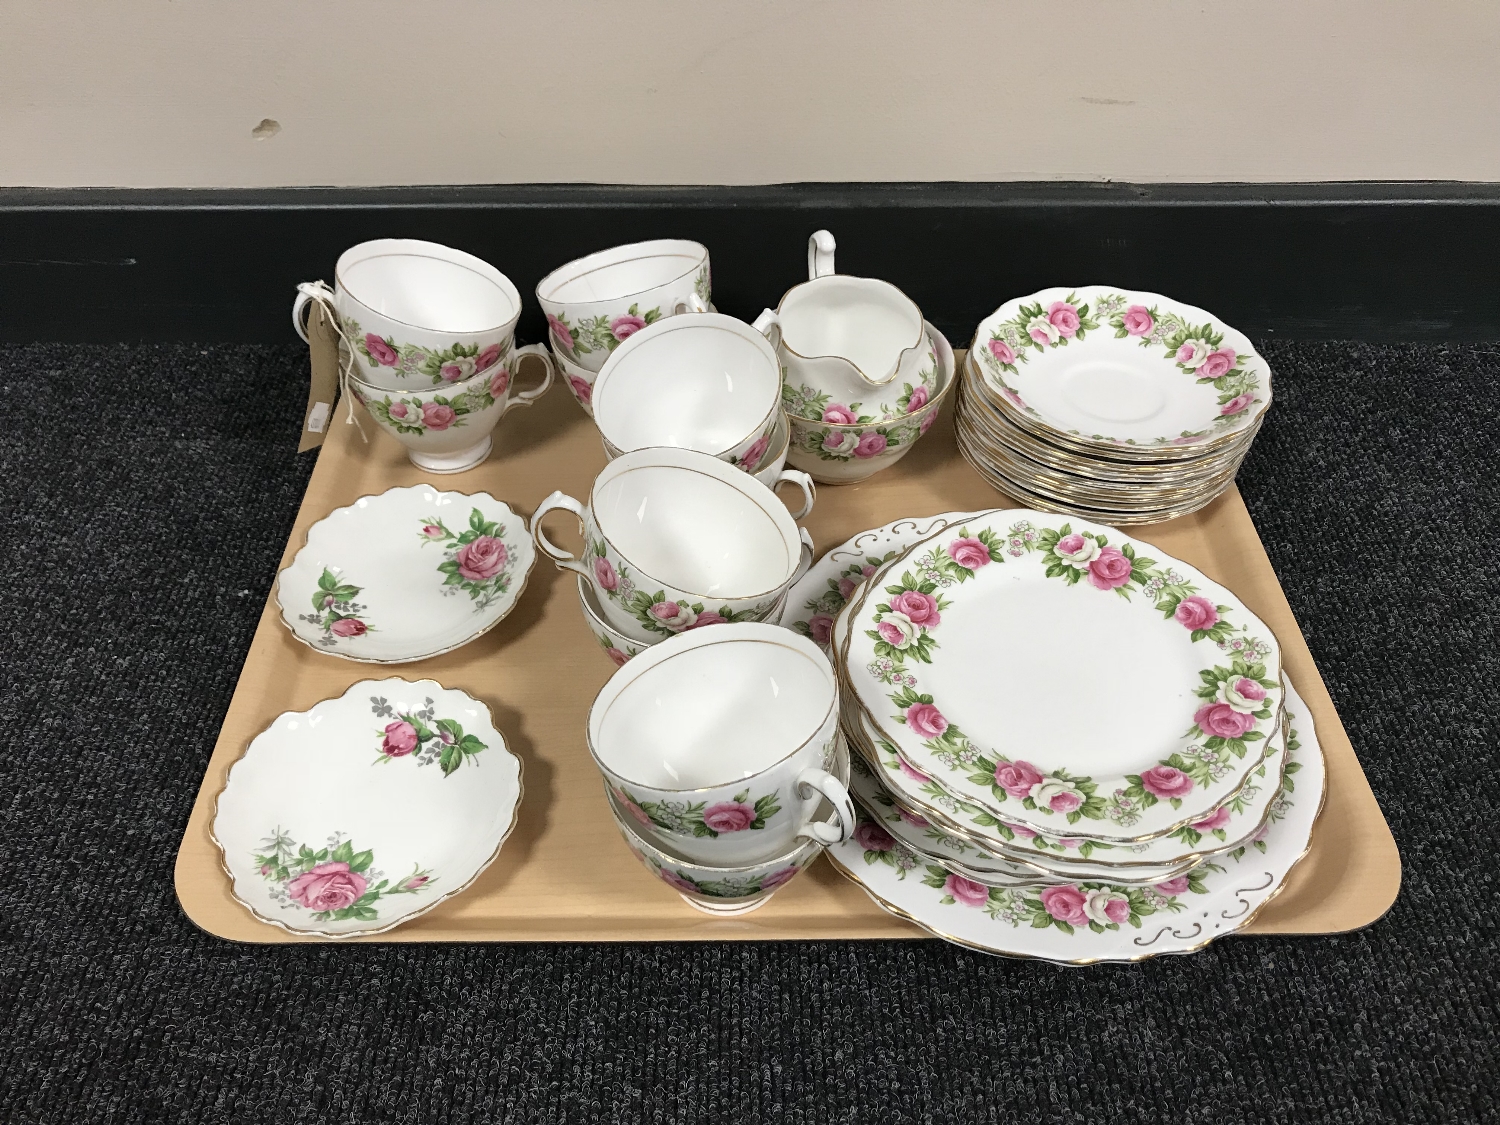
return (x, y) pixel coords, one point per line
(147, 494)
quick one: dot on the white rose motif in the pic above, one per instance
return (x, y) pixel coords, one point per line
(1047, 327)
(839, 443)
(465, 365)
(1199, 354)
(684, 617)
(1080, 559)
(903, 624)
(1097, 903)
(1244, 706)
(1048, 788)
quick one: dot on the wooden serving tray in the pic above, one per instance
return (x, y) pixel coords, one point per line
(565, 874)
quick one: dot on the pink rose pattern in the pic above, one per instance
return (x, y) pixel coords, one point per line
(332, 882)
(481, 559)
(582, 390)
(729, 816)
(1231, 715)
(476, 559)
(712, 819)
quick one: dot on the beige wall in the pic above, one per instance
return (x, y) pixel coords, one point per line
(167, 92)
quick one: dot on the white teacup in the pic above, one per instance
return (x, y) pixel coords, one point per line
(595, 303)
(580, 381)
(722, 741)
(852, 346)
(415, 315)
(675, 540)
(447, 430)
(615, 644)
(709, 383)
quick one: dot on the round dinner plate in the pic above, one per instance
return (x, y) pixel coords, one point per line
(407, 574)
(1062, 675)
(1092, 920)
(366, 810)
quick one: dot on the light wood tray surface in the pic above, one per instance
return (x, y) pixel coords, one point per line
(565, 875)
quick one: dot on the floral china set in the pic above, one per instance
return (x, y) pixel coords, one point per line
(1065, 744)
(1018, 728)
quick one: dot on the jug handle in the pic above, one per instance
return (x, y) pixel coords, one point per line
(768, 324)
(820, 248)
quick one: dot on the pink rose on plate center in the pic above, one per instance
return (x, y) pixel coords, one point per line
(926, 720)
(872, 837)
(837, 414)
(328, 886)
(1222, 720)
(1138, 321)
(482, 559)
(1017, 778)
(920, 608)
(729, 816)
(400, 739)
(1002, 352)
(348, 627)
(1110, 570)
(624, 327)
(1196, 612)
(971, 554)
(1064, 317)
(438, 417)
(966, 891)
(1166, 782)
(1065, 904)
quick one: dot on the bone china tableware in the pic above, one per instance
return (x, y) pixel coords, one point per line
(707, 382)
(448, 430)
(918, 801)
(724, 891)
(675, 540)
(407, 574)
(596, 302)
(1090, 920)
(416, 314)
(367, 810)
(722, 739)
(616, 645)
(859, 341)
(836, 445)
(1121, 694)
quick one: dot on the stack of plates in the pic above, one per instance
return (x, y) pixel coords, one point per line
(1112, 405)
(1073, 746)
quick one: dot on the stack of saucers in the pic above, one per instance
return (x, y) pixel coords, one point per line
(1112, 405)
(1067, 744)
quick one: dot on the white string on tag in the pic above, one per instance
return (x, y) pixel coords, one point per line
(318, 291)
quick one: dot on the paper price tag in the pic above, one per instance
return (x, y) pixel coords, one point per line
(323, 389)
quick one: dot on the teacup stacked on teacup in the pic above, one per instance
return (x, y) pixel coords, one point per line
(675, 540)
(865, 375)
(427, 344)
(720, 750)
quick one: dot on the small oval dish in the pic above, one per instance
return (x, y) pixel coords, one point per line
(367, 810)
(405, 575)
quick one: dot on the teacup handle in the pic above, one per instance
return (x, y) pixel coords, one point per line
(804, 564)
(526, 398)
(832, 788)
(768, 324)
(820, 248)
(557, 501)
(802, 481)
(691, 303)
(307, 293)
